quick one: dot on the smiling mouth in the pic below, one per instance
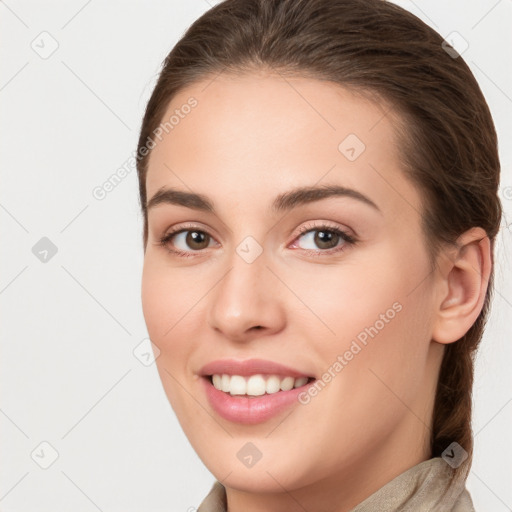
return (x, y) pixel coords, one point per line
(257, 385)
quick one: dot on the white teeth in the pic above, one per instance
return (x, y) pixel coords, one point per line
(217, 381)
(237, 385)
(273, 384)
(225, 383)
(255, 385)
(287, 383)
(300, 382)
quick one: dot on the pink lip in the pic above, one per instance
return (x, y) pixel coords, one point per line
(249, 367)
(242, 409)
(248, 411)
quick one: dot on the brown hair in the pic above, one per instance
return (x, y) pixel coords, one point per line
(447, 135)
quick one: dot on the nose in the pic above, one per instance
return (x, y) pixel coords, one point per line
(247, 302)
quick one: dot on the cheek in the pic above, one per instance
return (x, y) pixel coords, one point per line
(171, 319)
(353, 296)
(170, 308)
(379, 314)
(155, 298)
(167, 294)
(388, 340)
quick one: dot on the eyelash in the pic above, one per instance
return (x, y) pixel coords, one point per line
(347, 239)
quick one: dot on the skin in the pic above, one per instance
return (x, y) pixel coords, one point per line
(250, 138)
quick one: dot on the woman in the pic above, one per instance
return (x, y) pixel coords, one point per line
(318, 181)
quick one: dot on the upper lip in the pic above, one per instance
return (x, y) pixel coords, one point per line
(249, 367)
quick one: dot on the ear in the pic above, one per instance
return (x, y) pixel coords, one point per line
(462, 283)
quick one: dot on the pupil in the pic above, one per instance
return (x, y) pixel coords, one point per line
(196, 237)
(326, 237)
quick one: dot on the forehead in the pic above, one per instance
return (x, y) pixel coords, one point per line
(244, 136)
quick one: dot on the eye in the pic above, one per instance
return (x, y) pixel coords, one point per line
(323, 239)
(326, 238)
(185, 242)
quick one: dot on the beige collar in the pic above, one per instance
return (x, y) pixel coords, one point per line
(422, 488)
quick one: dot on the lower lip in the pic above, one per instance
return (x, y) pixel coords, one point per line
(249, 411)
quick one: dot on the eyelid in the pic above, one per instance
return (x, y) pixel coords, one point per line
(189, 227)
(318, 224)
(176, 230)
(301, 231)
(345, 234)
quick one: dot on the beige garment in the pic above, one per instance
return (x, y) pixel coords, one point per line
(422, 488)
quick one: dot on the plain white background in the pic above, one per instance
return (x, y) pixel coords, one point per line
(69, 376)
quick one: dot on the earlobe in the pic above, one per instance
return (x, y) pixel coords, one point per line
(463, 283)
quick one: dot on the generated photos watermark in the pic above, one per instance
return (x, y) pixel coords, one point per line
(357, 345)
(100, 192)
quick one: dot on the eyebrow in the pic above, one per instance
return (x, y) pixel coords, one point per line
(282, 203)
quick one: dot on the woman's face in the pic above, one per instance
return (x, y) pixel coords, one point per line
(264, 274)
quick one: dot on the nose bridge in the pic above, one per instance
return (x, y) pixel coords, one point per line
(246, 296)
